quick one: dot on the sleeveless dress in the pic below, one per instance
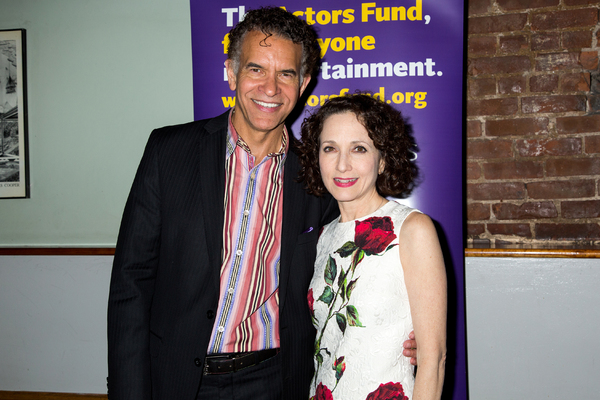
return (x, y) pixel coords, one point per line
(359, 306)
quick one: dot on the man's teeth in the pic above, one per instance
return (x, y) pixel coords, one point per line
(268, 105)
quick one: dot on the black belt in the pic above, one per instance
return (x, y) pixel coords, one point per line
(230, 362)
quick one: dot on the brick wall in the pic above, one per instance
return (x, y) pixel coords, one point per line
(533, 121)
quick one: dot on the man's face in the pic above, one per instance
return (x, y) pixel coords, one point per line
(267, 83)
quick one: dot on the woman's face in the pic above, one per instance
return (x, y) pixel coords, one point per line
(349, 161)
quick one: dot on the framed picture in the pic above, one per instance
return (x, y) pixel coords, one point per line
(14, 160)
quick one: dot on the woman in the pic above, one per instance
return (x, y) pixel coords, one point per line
(379, 271)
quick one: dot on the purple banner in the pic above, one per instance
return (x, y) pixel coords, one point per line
(407, 53)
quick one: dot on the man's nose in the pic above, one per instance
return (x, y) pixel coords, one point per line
(270, 85)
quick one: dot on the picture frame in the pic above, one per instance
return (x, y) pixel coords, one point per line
(14, 148)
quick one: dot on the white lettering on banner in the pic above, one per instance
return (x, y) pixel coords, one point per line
(241, 11)
(378, 69)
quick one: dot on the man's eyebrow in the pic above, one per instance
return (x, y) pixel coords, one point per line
(290, 71)
(253, 65)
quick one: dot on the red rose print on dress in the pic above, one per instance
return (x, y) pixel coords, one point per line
(323, 393)
(372, 238)
(374, 234)
(388, 391)
(311, 303)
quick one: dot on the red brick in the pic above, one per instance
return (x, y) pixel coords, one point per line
(489, 148)
(478, 211)
(549, 147)
(592, 144)
(564, 19)
(482, 45)
(543, 83)
(580, 209)
(553, 104)
(523, 230)
(576, 39)
(557, 61)
(517, 127)
(589, 60)
(573, 166)
(473, 128)
(473, 171)
(512, 5)
(545, 41)
(581, 124)
(496, 191)
(512, 84)
(497, 23)
(567, 231)
(480, 6)
(571, 189)
(533, 210)
(475, 229)
(480, 87)
(498, 65)
(576, 82)
(513, 44)
(492, 107)
(513, 170)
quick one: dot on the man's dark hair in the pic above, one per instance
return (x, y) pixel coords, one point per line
(275, 21)
(386, 128)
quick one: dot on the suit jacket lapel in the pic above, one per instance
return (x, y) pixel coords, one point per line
(293, 210)
(211, 150)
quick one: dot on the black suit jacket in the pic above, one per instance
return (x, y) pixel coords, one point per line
(165, 280)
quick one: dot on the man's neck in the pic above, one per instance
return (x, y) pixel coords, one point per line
(262, 143)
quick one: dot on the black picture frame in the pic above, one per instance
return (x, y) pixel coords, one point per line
(14, 146)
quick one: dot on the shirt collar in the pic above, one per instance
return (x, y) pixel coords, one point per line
(234, 139)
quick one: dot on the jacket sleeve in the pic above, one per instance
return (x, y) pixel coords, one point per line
(132, 283)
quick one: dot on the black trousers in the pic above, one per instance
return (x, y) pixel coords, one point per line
(259, 382)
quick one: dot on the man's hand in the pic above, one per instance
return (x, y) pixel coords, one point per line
(410, 348)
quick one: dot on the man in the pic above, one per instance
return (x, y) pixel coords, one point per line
(218, 240)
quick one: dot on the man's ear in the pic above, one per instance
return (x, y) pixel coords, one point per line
(231, 78)
(305, 83)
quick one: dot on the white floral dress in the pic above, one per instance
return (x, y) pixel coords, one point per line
(360, 309)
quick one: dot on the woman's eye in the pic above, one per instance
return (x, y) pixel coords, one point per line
(327, 149)
(360, 149)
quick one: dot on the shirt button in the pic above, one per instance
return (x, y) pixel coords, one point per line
(221, 329)
(239, 252)
(230, 290)
(246, 212)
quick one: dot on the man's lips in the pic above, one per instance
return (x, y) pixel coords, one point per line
(266, 105)
(344, 182)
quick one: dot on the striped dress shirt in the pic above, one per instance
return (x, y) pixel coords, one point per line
(248, 313)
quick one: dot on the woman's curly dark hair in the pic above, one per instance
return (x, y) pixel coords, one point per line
(279, 22)
(386, 128)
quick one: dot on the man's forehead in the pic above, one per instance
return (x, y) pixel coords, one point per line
(266, 40)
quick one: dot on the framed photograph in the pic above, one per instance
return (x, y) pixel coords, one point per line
(14, 160)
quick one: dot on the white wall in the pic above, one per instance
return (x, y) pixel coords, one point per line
(53, 323)
(533, 328)
(100, 75)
